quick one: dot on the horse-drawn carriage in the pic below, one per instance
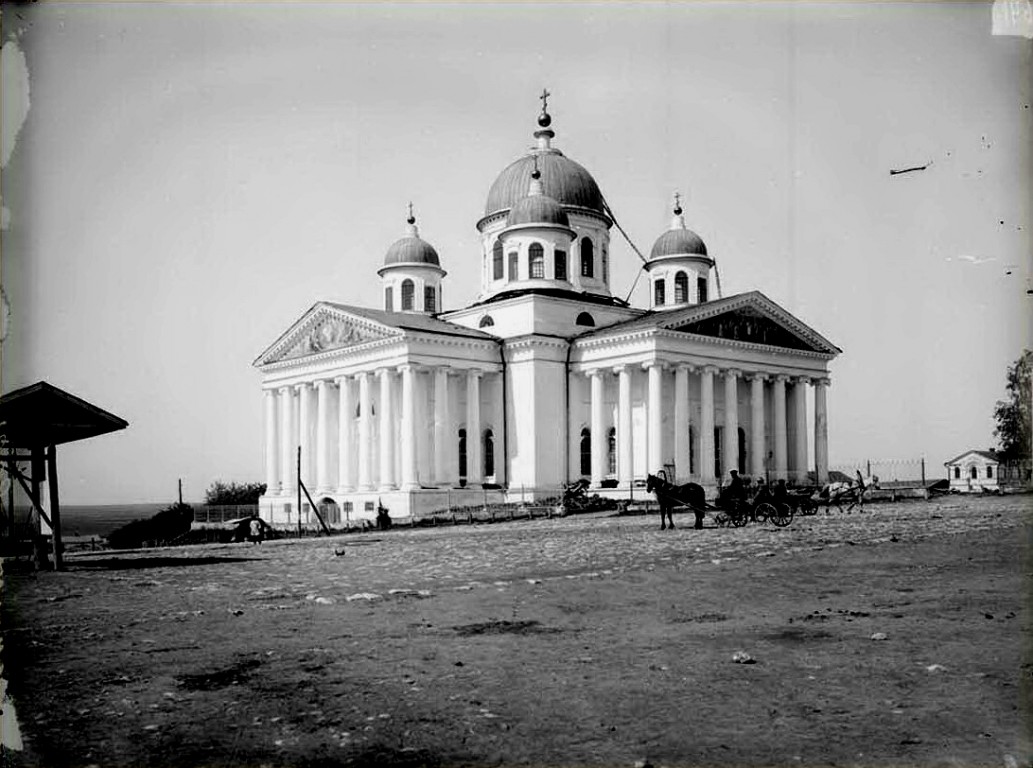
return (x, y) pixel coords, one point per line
(736, 509)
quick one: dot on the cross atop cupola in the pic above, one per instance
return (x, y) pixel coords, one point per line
(545, 134)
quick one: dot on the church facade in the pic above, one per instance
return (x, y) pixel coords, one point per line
(546, 378)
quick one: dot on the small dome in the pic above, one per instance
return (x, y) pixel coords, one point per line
(678, 242)
(569, 183)
(537, 209)
(412, 250)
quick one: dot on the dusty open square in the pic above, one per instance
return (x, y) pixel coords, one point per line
(589, 640)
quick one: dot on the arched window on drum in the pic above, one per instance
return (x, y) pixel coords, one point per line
(681, 288)
(408, 291)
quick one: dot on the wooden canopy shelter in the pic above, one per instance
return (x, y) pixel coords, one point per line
(35, 420)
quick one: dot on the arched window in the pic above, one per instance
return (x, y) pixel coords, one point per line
(462, 457)
(587, 258)
(430, 299)
(408, 290)
(742, 451)
(611, 451)
(957, 473)
(658, 293)
(586, 452)
(489, 453)
(536, 259)
(701, 289)
(681, 288)
(514, 265)
(486, 322)
(989, 472)
(585, 319)
(973, 472)
(559, 265)
(496, 261)
(388, 299)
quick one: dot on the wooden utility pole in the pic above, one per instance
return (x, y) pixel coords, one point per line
(299, 490)
(55, 506)
(181, 491)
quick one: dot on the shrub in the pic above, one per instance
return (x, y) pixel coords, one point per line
(166, 526)
(224, 494)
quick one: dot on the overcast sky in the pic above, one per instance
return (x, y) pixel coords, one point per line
(191, 178)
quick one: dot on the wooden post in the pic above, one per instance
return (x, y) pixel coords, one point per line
(923, 471)
(37, 464)
(55, 506)
(181, 491)
(299, 491)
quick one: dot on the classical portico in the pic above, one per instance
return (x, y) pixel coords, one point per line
(546, 378)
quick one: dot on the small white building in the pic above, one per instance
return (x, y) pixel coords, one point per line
(546, 378)
(974, 471)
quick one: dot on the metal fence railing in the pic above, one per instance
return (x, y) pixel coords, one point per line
(890, 472)
(223, 513)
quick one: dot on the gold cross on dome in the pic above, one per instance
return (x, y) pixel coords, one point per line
(545, 99)
(677, 199)
(410, 209)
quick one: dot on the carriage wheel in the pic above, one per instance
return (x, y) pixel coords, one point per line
(808, 507)
(782, 516)
(721, 519)
(764, 512)
(740, 518)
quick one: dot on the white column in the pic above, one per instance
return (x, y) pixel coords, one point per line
(272, 445)
(731, 446)
(305, 413)
(681, 424)
(322, 437)
(598, 433)
(655, 458)
(778, 395)
(387, 436)
(706, 425)
(345, 419)
(625, 465)
(408, 440)
(757, 425)
(821, 431)
(442, 429)
(474, 464)
(288, 442)
(365, 446)
(800, 409)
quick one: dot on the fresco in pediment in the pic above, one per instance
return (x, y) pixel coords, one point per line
(749, 326)
(331, 333)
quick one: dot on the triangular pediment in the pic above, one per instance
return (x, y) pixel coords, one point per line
(750, 318)
(322, 329)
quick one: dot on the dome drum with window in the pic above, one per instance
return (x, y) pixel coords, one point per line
(411, 275)
(678, 267)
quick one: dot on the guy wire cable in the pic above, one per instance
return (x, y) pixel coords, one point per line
(609, 211)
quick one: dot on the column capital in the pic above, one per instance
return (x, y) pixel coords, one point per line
(342, 379)
(802, 380)
(687, 367)
(593, 373)
(619, 369)
(757, 376)
(409, 367)
(654, 364)
(302, 386)
(285, 389)
(711, 369)
(384, 372)
(321, 383)
(781, 378)
(733, 372)
(474, 373)
(821, 381)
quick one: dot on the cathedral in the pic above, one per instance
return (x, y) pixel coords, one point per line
(547, 378)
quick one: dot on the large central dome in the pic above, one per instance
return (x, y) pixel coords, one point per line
(564, 180)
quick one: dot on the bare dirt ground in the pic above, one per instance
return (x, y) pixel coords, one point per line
(589, 640)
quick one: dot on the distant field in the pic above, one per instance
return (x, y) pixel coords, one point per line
(99, 520)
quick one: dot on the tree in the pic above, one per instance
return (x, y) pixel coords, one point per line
(220, 493)
(1013, 413)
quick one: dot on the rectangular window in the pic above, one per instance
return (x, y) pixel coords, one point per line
(701, 288)
(514, 266)
(388, 296)
(989, 472)
(658, 293)
(606, 263)
(429, 299)
(957, 473)
(368, 506)
(560, 264)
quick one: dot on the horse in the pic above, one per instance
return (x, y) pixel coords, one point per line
(667, 494)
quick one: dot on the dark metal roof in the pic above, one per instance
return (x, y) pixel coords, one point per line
(41, 414)
(564, 180)
(411, 250)
(678, 242)
(412, 321)
(537, 209)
